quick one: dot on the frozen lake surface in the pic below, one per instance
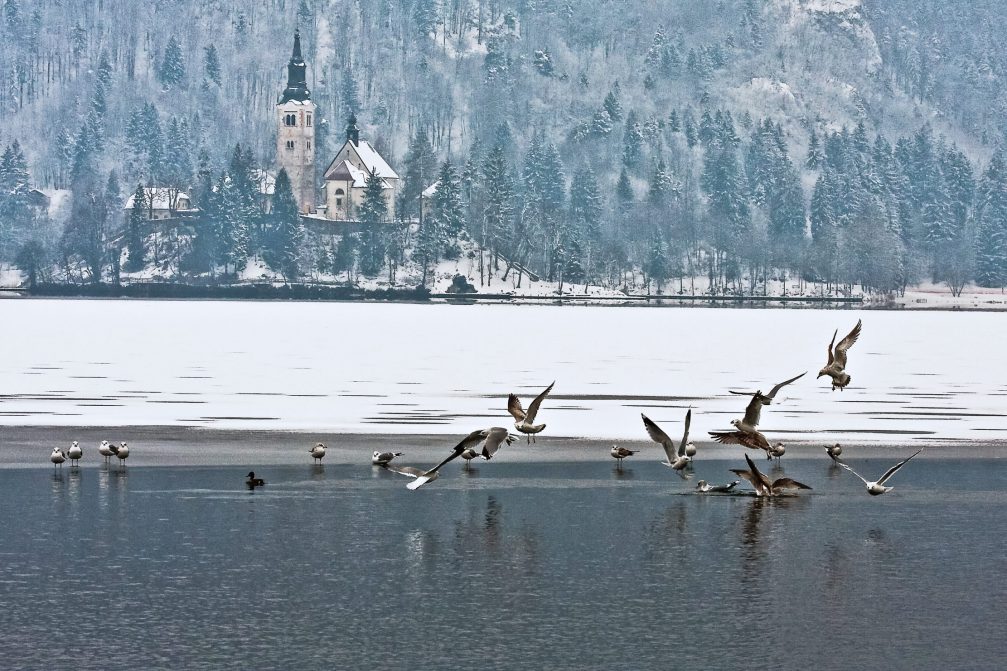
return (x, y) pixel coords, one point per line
(402, 368)
(512, 565)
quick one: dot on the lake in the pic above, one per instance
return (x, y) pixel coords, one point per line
(511, 565)
(548, 556)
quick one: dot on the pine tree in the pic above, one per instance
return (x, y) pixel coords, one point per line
(991, 247)
(448, 208)
(662, 187)
(632, 141)
(134, 230)
(612, 105)
(815, 158)
(211, 65)
(420, 167)
(172, 69)
(372, 213)
(624, 189)
(285, 233)
(498, 189)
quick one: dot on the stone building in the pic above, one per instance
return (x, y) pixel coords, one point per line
(295, 136)
(346, 176)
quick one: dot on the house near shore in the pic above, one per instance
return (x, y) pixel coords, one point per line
(163, 203)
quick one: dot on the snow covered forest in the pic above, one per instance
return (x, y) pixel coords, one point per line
(842, 142)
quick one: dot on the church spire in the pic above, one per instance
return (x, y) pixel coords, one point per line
(352, 132)
(297, 83)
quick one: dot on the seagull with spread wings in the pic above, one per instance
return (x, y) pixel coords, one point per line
(763, 485)
(525, 421)
(877, 487)
(676, 459)
(836, 367)
(492, 439)
(706, 488)
(745, 432)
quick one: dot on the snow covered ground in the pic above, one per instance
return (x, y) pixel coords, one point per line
(918, 377)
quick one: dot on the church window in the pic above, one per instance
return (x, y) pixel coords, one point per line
(339, 197)
(290, 145)
(309, 119)
(309, 144)
(290, 120)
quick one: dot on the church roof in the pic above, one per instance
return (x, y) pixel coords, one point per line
(162, 198)
(344, 171)
(372, 159)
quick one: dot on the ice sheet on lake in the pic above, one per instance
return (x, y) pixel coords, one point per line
(402, 368)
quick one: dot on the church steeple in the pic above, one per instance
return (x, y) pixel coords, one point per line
(297, 83)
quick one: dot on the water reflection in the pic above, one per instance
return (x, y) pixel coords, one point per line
(317, 472)
(623, 473)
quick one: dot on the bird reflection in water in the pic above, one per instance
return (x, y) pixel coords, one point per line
(623, 473)
(317, 471)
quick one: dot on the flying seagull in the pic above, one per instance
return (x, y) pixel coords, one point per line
(705, 487)
(74, 453)
(57, 458)
(745, 432)
(410, 471)
(620, 453)
(317, 452)
(383, 458)
(762, 484)
(525, 422)
(491, 438)
(878, 487)
(834, 451)
(836, 367)
(676, 459)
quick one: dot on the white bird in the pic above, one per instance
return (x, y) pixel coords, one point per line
(74, 453)
(383, 458)
(105, 450)
(492, 439)
(877, 487)
(834, 451)
(836, 366)
(620, 453)
(676, 459)
(317, 452)
(412, 472)
(745, 432)
(777, 451)
(704, 486)
(525, 422)
(57, 457)
(763, 486)
(122, 451)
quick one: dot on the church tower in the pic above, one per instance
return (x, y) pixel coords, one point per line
(295, 135)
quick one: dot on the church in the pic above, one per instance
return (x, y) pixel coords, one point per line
(345, 177)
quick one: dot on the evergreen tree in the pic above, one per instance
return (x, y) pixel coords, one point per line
(662, 187)
(135, 225)
(624, 189)
(448, 208)
(373, 213)
(498, 189)
(815, 158)
(991, 248)
(211, 66)
(285, 233)
(612, 105)
(172, 69)
(632, 141)
(420, 167)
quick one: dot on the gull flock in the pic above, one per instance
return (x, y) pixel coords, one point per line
(484, 443)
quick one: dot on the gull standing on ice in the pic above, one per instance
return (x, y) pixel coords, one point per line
(704, 486)
(836, 366)
(620, 453)
(877, 487)
(317, 452)
(383, 458)
(745, 432)
(763, 486)
(676, 459)
(57, 458)
(492, 439)
(105, 450)
(834, 451)
(468, 454)
(525, 422)
(122, 452)
(74, 453)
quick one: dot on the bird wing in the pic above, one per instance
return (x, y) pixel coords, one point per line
(754, 410)
(757, 473)
(788, 483)
(846, 343)
(533, 408)
(891, 471)
(494, 438)
(847, 467)
(831, 359)
(408, 471)
(659, 436)
(685, 435)
(746, 475)
(471, 440)
(772, 394)
(514, 407)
